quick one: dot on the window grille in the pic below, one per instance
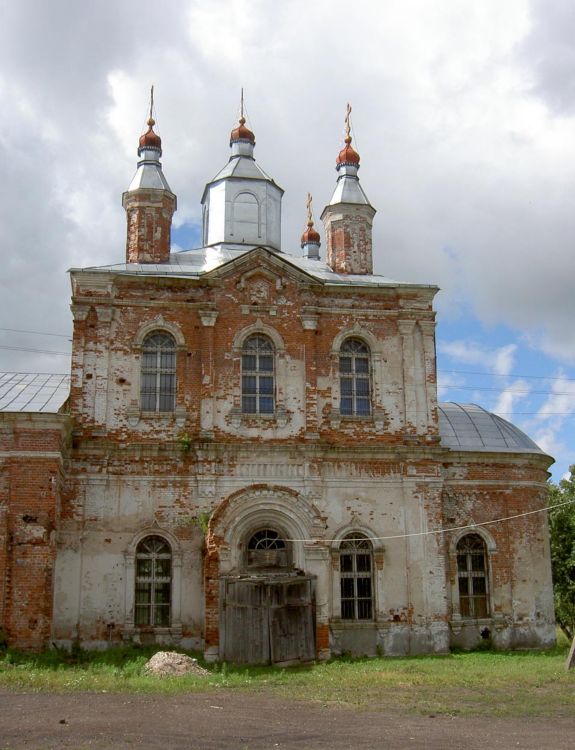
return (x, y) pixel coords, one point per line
(153, 582)
(158, 385)
(258, 388)
(355, 570)
(354, 379)
(472, 576)
(267, 549)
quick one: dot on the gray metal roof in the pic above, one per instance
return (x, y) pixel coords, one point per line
(33, 392)
(149, 173)
(348, 188)
(244, 168)
(198, 261)
(469, 427)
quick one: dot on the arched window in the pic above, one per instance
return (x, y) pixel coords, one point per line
(472, 576)
(354, 379)
(153, 582)
(355, 570)
(158, 383)
(258, 389)
(266, 549)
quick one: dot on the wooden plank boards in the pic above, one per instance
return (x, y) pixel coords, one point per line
(267, 621)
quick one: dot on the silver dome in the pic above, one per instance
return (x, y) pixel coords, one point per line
(469, 427)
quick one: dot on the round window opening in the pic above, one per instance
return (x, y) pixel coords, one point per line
(267, 549)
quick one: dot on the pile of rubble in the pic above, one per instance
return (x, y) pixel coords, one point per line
(171, 664)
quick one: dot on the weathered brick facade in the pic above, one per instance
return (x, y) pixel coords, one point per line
(335, 445)
(31, 477)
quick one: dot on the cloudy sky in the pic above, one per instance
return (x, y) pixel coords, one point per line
(463, 113)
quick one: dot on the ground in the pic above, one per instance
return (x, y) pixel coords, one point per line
(239, 721)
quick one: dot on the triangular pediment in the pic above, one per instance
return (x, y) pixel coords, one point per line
(274, 267)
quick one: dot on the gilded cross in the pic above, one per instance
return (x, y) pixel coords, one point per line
(347, 121)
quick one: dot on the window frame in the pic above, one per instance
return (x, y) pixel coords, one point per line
(258, 373)
(355, 376)
(469, 573)
(159, 372)
(267, 548)
(152, 583)
(348, 547)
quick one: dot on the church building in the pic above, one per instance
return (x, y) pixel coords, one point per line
(250, 459)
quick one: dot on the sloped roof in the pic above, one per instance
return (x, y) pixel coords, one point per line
(244, 168)
(33, 392)
(469, 427)
(199, 261)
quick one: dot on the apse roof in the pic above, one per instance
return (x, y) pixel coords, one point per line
(33, 392)
(469, 427)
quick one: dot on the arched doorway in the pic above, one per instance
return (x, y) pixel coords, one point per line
(267, 604)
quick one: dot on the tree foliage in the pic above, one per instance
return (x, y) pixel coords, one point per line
(562, 528)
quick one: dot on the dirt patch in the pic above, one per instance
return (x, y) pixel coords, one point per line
(172, 664)
(226, 720)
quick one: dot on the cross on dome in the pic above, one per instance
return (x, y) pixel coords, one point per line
(310, 239)
(241, 133)
(150, 139)
(348, 155)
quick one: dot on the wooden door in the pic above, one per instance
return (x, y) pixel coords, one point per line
(291, 622)
(267, 621)
(245, 622)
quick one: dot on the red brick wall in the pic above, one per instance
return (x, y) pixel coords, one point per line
(30, 488)
(149, 215)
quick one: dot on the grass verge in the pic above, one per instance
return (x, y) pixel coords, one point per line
(505, 684)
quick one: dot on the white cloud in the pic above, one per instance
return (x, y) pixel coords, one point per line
(447, 380)
(516, 391)
(548, 426)
(462, 120)
(499, 360)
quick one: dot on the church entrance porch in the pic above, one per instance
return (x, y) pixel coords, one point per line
(267, 618)
(265, 585)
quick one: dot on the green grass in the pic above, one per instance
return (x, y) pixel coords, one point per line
(482, 683)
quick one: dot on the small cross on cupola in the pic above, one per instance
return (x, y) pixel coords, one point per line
(310, 239)
(349, 215)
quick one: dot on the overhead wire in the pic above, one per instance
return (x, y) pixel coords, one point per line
(443, 530)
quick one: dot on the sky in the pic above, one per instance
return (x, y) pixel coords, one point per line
(463, 114)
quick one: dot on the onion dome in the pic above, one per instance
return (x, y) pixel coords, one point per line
(348, 155)
(241, 133)
(150, 140)
(310, 234)
(310, 239)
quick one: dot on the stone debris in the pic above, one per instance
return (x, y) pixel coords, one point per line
(171, 664)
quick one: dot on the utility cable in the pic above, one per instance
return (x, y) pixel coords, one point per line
(442, 531)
